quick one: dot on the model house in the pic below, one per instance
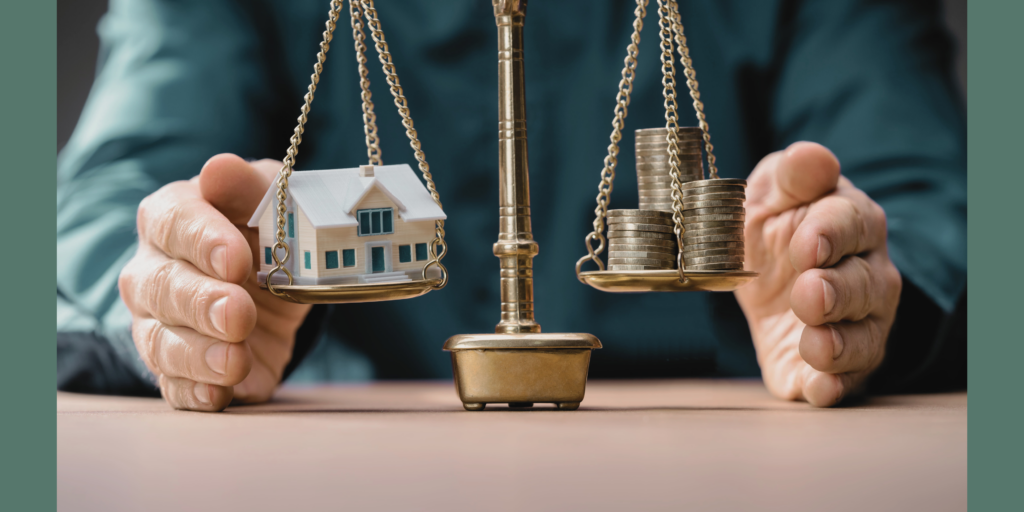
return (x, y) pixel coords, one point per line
(364, 225)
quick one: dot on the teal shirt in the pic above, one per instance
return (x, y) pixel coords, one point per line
(181, 81)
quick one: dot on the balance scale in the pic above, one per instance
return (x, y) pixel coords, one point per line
(517, 364)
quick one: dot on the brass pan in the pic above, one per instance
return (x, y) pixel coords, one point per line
(634, 281)
(350, 293)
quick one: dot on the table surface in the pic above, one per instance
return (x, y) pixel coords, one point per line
(633, 445)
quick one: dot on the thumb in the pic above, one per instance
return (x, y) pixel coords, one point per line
(800, 174)
(236, 187)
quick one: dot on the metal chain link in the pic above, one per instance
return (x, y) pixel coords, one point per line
(621, 110)
(438, 247)
(668, 81)
(369, 118)
(691, 82)
(289, 160)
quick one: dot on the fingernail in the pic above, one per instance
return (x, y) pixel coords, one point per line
(837, 343)
(829, 296)
(217, 357)
(219, 314)
(824, 250)
(202, 392)
(219, 261)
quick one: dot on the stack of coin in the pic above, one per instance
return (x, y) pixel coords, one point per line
(652, 164)
(641, 240)
(713, 218)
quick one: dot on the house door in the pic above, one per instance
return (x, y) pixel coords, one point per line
(377, 259)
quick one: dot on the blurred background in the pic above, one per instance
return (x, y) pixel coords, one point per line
(77, 47)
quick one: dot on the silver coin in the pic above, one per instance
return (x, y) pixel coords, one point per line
(712, 252)
(716, 266)
(634, 213)
(709, 225)
(716, 197)
(620, 268)
(662, 131)
(712, 239)
(655, 158)
(662, 245)
(657, 206)
(725, 217)
(717, 183)
(639, 261)
(663, 145)
(660, 178)
(612, 233)
(642, 254)
(714, 190)
(691, 233)
(693, 205)
(704, 260)
(654, 186)
(657, 195)
(697, 212)
(639, 251)
(614, 222)
(712, 246)
(633, 226)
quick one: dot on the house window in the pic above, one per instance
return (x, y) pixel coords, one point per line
(332, 259)
(266, 256)
(349, 257)
(421, 252)
(291, 225)
(377, 221)
(307, 260)
(404, 254)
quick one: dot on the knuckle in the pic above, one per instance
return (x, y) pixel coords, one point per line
(161, 285)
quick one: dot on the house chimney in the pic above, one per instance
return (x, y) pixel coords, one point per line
(365, 171)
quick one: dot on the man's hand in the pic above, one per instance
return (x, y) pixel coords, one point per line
(821, 311)
(199, 320)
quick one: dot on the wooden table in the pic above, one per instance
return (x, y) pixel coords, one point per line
(635, 445)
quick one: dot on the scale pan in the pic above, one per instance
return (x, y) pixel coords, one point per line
(633, 281)
(352, 293)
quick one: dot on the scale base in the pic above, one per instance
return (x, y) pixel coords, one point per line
(521, 369)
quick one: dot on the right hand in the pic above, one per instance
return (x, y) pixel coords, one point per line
(199, 319)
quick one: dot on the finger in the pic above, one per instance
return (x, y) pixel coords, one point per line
(182, 352)
(236, 187)
(194, 396)
(177, 293)
(271, 354)
(798, 175)
(844, 346)
(826, 389)
(180, 223)
(841, 224)
(851, 291)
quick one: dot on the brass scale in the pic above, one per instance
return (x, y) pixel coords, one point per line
(517, 365)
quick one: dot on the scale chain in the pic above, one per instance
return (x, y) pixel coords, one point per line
(369, 118)
(691, 82)
(293, 150)
(668, 80)
(621, 110)
(438, 247)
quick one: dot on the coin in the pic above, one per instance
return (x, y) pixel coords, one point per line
(740, 196)
(709, 225)
(665, 207)
(636, 267)
(663, 178)
(696, 212)
(714, 190)
(723, 217)
(633, 226)
(712, 246)
(654, 187)
(663, 145)
(712, 239)
(666, 245)
(703, 260)
(693, 205)
(692, 131)
(640, 213)
(613, 233)
(716, 266)
(717, 183)
(712, 252)
(658, 157)
(642, 254)
(665, 192)
(618, 245)
(614, 222)
(691, 233)
(639, 261)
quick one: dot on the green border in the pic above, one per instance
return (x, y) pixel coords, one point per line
(995, 187)
(28, 131)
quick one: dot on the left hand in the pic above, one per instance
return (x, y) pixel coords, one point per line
(821, 311)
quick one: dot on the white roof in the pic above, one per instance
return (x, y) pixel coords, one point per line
(329, 198)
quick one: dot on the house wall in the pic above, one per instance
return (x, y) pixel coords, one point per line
(268, 230)
(307, 242)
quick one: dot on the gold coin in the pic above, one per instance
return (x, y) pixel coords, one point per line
(708, 225)
(642, 254)
(663, 145)
(717, 183)
(690, 192)
(639, 261)
(690, 131)
(693, 233)
(638, 213)
(665, 245)
(716, 266)
(697, 212)
(704, 260)
(693, 205)
(621, 247)
(712, 252)
(638, 267)
(632, 233)
(712, 246)
(634, 226)
(715, 197)
(654, 186)
(712, 239)
(718, 217)
(616, 222)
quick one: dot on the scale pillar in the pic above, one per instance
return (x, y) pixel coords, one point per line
(517, 365)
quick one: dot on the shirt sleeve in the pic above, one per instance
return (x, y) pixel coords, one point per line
(177, 83)
(873, 82)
